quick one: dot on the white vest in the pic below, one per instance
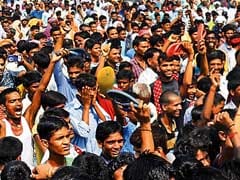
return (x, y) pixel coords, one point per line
(26, 139)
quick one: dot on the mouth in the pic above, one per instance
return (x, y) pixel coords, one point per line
(18, 111)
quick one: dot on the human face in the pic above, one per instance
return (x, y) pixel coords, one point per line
(135, 29)
(123, 84)
(32, 52)
(32, 89)
(141, 47)
(2, 66)
(218, 108)
(74, 72)
(122, 35)
(191, 91)
(79, 42)
(153, 62)
(166, 69)
(103, 22)
(59, 142)
(203, 157)
(56, 35)
(112, 145)
(194, 37)
(93, 28)
(167, 27)
(96, 50)
(113, 34)
(114, 56)
(13, 105)
(174, 107)
(176, 67)
(211, 41)
(216, 65)
(229, 34)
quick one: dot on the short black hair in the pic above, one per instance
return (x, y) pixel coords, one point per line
(106, 128)
(31, 77)
(52, 99)
(4, 93)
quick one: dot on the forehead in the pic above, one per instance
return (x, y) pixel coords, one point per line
(12, 95)
(174, 99)
(114, 136)
(216, 61)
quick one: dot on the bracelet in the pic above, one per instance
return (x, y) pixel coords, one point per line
(231, 135)
(141, 129)
(231, 126)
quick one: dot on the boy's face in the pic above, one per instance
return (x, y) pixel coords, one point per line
(191, 91)
(166, 68)
(124, 84)
(112, 145)
(59, 142)
(217, 65)
(218, 108)
(176, 66)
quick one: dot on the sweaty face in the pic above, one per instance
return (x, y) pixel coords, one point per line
(174, 107)
(114, 56)
(141, 47)
(112, 145)
(59, 143)
(74, 72)
(166, 68)
(217, 65)
(13, 105)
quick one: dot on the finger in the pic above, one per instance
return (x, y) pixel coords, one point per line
(132, 108)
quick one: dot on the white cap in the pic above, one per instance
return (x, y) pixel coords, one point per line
(220, 20)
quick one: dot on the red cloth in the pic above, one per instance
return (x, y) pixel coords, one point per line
(157, 91)
(107, 105)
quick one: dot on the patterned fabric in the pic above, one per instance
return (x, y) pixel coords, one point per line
(136, 68)
(157, 91)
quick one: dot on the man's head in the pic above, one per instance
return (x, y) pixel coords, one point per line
(77, 65)
(140, 45)
(93, 47)
(11, 101)
(228, 31)
(10, 149)
(41, 60)
(151, 57)
(86, 80)
(166, 66)
(114, 55)
(211, 40)
(109, 136)
(171, 104)
(54, 134)
(53, 99)
(216, 61)
(55, 33)
(31, 82)
(2, 65)
(125, 79)
(112, 33)
(34, 30)
(79, 38)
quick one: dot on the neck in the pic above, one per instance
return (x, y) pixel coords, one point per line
(166, 120)
(94, 58)
(113, 65)
(164, 78)
(139, 57)
(56, 160)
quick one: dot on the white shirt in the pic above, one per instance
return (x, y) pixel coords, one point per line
(148, 76)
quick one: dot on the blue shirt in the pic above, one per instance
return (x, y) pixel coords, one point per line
(85, 133)
(37, 14)
(127, 132)
(7, 80)
(64, 84)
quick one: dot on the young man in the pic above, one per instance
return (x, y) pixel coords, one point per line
(109, 136)
(55, 135)
(125, 80)
(86, 113)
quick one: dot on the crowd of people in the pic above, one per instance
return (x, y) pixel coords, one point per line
(123, 90)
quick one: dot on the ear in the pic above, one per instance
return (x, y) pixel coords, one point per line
(18, 158)
(222, 136)
(164, 107)
(232, 93)
(45, 143)
(100, 144)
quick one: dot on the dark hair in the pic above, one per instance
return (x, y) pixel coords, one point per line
(16, 170)
(59, 112)
(155, 27)
(83, 34)
(204, 84)
(196, 113)
(91, 164)
(125, 74)
(31, 45)
(52, 99)
(228, 27)
(184, 167)
(138, 40)
(205, 173)
(10, 149)
(110, 28)
(97, 36)
(34, 27)
(123, 159)
(69, 173)
(41, 59)
(31, 77)
(106, 128)
(54, 28)
(5, 92)
(49, 125)
(233, 84)
(155, 40)
(148, 167)
(231, 169)
(40, 35)
(67, 43)
(47, 49)
(21, 45)
(124, 64)
(164, 98)
(216, 54)
(89, 44)
(102, 17)
(159, 138)
(3, 57)
(150, 53)
(85, 79)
